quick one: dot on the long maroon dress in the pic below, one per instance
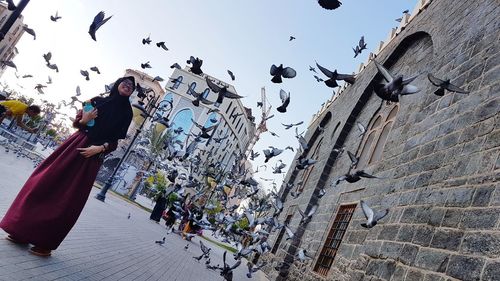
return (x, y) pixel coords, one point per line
(51, 200)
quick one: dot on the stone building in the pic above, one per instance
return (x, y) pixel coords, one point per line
(437, 159)
(8, 48)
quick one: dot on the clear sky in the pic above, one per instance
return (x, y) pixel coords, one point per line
(246, 37)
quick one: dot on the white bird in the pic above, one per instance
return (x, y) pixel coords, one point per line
(371, 217)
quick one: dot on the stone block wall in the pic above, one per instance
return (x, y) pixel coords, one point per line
(440, 166)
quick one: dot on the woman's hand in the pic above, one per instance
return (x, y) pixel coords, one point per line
(88, 115)
(90, 151)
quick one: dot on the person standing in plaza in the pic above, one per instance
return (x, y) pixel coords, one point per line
(160, 206)
(51, 200)
(17, 109)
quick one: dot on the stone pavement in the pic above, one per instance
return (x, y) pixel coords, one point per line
(104, 244)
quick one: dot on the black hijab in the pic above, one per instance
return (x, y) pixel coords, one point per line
(113, 117)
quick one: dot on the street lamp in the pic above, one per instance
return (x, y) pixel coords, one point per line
(141, 114)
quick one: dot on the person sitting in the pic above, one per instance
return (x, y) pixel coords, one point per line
(17, 109)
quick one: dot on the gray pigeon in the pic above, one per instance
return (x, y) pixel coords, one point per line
(55, 18)
(279, 71)
(371, 217)
(175, 65)
(444, 85)
(98, 21)
(30, 31)
(85, 74)
(395, 86)
(162, 45)
(285, 101)
(329, 4)
(333, 76)
(95, 69)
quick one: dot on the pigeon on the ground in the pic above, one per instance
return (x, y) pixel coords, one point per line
(160, 242)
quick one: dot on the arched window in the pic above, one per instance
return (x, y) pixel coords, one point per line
(308, 171)
(205, 93)
(177, 82)
(183, 119)
(191, 88)
(376, 136)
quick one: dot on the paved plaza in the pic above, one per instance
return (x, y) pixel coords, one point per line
(104, 244)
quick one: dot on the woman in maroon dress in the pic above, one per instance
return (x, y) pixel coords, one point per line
(51, 200)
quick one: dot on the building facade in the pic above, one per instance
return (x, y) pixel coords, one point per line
(8, 48)
(436, 159)
(232, 120)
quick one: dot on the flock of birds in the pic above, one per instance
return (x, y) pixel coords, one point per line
(263, 211)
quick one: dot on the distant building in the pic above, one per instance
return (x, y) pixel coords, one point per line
(436, 158)
(233, 120)
(8, 48)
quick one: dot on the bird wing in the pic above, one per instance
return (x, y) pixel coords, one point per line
(284, 95)
(274, 70)
(99, 20)
(289, 72)
(435, 81)
(381, 215)
(212, 85)
(409, 89)
(367, 211)
(325, 71)
(353, 157)
(231, 95)
(456, 89)
(387, 75)
(365, 175)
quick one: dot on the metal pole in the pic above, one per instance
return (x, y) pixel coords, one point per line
(102, 194)
(12, 18)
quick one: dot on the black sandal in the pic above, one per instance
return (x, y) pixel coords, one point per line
(37, 251)
(14, 240)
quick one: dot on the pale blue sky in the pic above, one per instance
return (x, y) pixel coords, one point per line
(244, 36)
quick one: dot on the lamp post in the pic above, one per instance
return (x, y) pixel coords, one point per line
(140, 113)
(12, 18)
(161, 125)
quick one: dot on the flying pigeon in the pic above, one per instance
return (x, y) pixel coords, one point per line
(329, 4)
(162, 45)
(175, 65)
(292, 38)
(222, 92)
(360, 47)
(145, 65)
(98, 21)
(85, 74)
(231, 74)
(53, 66)
(279, 71)
(395, 86)
(309, 215)
(196, 64)
(94, 68)
(285, 100)
(371, 217)
(30, 31)
(9, 63)
(146, 41)
(334, 76)
(288, 126)
(55, 18)
(444, 85)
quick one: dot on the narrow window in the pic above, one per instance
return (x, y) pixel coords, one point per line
(334, 238)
